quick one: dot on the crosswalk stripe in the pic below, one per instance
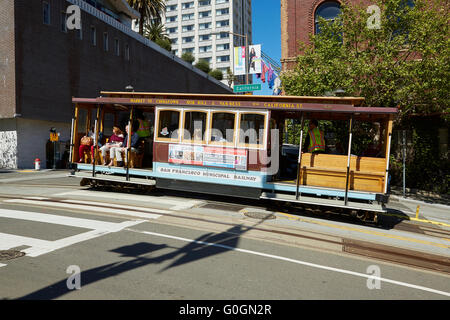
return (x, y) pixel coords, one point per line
(39, 246)
(84, 207)
(129, 197)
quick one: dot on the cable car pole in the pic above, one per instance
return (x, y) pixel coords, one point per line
(299, 158)
(128, 150)
(94, 153)
(348, 160)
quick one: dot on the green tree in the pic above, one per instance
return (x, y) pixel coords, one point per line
(188, 57)
(148, 9)
(155, 32)
(404, 63)
(216, 73)
(203, 65)
(230, 77)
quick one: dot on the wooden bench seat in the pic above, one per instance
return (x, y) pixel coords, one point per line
(327, 170)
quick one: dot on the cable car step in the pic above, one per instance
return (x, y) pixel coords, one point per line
(323, 202)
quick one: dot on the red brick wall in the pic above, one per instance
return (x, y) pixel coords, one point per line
(297, 22)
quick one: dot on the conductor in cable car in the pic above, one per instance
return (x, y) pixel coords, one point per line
(315, 140)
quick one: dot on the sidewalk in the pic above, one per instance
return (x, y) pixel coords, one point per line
(431, 206)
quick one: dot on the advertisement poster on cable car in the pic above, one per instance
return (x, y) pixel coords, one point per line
(208, 156)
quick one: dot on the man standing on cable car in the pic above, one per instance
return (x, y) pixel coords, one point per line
(315, 140)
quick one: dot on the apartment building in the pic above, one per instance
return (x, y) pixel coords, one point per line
(202, 27)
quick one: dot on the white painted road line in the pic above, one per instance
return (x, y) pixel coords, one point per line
(117, 196)
(83, 207)
(2, 265)
(313, 265)
(39, 247)
(113, 205)
(62, 220)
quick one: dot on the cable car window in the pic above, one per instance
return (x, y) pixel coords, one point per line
(194, 125)
(251, 129)
(222, 127)
(168, 124)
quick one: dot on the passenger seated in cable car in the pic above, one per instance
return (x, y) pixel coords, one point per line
(116, 140)
(117, 151)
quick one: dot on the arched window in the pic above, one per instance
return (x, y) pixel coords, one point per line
(328, 10)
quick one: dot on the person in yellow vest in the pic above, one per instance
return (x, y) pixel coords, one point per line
(144, 126)
(315, 140)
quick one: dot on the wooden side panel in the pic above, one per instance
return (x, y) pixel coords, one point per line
(327, 170)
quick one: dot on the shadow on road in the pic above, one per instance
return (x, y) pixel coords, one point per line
(203, 247)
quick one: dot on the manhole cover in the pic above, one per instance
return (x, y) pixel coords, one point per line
(10, 254)
(259, 215)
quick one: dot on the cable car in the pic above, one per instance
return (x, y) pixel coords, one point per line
(239, 145)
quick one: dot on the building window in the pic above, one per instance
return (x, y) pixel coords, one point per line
(224, 46)
(207, 59)
(221, 1)
(172, 19)
(204, 14)
(171, 8)
(191, 50)
(105, 41)
(328, 10)
(203, 26)
(223, 35)
(189, 16)
(80, 32)
(221, 12)
(187, 5)
(174, 41)
(63, 21)
(204, 3)
(172, 30)
(127, 51)
(223, 58)
(222, 23)
(204, 49)
(116, 47)
(45, 12)
(93, 36)
(188, 28)
(205, 37)
(188, 39)
(175, 52)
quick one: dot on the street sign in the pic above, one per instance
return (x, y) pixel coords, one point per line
(247, 87)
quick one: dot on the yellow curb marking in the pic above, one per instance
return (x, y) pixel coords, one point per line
(291, 217)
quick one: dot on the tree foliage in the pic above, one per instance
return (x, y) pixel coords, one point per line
(188, 57)
(217, 74)
(149, 10)
(155, 32)
(404, 63)
(203, 65)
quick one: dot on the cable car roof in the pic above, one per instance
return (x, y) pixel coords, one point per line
(327, 106)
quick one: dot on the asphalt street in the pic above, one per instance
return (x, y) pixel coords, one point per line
(127, 245)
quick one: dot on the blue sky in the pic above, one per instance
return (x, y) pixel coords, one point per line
(267, 32)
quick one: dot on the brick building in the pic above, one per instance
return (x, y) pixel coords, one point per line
(298, 20)
(43, 64)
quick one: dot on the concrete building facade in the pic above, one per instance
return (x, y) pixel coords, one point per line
(43, 65)
(192, 26)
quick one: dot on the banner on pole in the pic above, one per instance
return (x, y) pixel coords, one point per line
(239, 61)
(254, 61)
